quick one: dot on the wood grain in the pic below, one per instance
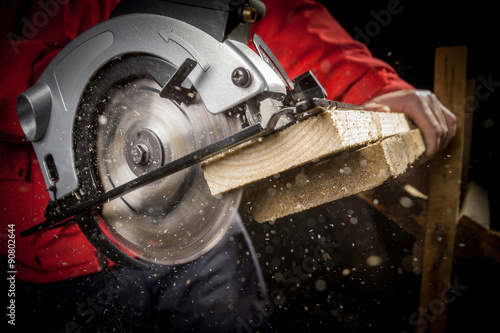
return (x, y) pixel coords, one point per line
(307, 141)
(343, 175)
(444, 193)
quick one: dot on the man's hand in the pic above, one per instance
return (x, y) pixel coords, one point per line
(437, 123)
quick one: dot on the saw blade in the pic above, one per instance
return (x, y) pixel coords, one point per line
(175, 219)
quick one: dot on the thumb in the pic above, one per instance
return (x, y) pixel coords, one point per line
(373, 106)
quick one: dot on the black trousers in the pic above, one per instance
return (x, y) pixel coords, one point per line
(223, 291)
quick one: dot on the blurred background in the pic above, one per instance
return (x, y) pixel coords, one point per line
(344, 267)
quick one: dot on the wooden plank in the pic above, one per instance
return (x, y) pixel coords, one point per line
(474, 238)
(400, 204)
(444, 194)
(468, 125)
(475, 205)
(338, 177)
(310, 140)
(474, 241)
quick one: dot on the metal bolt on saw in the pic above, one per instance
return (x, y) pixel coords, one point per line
(175, 85)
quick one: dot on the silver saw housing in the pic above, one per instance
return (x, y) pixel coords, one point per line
(96, 120)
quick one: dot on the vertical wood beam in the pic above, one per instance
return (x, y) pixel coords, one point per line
(468, 125)
(444, 195)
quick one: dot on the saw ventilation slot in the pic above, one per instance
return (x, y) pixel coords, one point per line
(50, 168)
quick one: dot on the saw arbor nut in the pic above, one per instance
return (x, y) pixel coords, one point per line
(144, 150)
(168, 220)
(139, 154)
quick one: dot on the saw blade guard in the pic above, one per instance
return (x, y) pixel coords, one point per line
(124, 130)
(97, 120)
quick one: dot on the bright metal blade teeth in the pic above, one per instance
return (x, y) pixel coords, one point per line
(174, 219)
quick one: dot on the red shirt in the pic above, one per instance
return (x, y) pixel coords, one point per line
(301, 33)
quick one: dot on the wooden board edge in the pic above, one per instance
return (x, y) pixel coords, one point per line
(304, 142)
(338, 177)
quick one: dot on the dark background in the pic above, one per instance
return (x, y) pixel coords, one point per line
(315, 263)
(408, 43)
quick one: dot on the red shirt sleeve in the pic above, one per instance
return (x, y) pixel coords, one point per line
(31, 41)
(303, 35)
(27, 45)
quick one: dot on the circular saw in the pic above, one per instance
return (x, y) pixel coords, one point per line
(124, 114)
